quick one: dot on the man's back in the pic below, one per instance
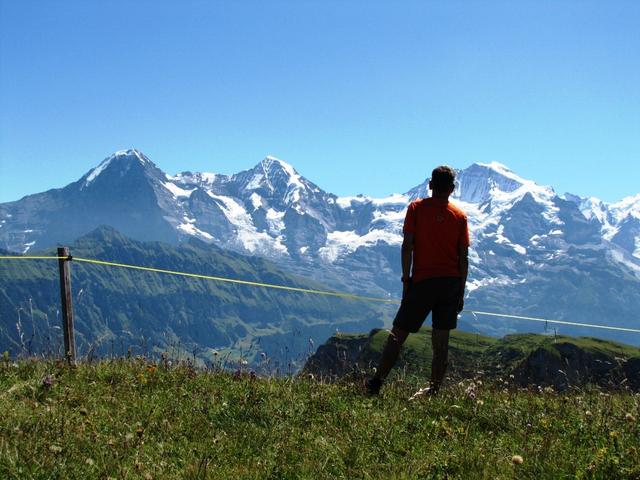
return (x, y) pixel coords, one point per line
(439, 229)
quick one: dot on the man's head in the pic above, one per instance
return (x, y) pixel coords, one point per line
(442, 181)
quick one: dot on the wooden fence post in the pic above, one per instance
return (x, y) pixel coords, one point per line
(67, 304)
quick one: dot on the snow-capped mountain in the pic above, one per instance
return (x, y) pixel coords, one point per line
(533, 251)
(619, 222)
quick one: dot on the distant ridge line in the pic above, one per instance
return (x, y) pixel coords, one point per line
(348, 296)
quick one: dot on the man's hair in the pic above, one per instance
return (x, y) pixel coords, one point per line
(443, 178)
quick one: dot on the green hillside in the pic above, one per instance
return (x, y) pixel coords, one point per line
(121, 311)
(521, 359)
(132, 419)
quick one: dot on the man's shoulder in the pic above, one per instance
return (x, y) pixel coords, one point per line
(457, 211)
(417, 204)
(422, 202)
(429, 201)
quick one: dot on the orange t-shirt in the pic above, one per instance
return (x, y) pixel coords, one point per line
(439, 230)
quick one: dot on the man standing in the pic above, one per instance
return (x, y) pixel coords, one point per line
(434, 273)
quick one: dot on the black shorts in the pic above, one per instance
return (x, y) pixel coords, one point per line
(438, 295)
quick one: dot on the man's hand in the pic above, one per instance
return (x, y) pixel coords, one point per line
(407, 259)
(406, 285)
(461, 297)
(463, 252)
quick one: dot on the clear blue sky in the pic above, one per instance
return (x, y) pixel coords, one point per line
(360, 96)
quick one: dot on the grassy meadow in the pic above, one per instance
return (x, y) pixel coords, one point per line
(135, 419)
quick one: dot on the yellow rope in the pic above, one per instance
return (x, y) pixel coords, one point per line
(307, 290)
(232, 280)
(31, 257)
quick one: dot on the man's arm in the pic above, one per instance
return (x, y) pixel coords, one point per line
(463, 259)
(407, 259)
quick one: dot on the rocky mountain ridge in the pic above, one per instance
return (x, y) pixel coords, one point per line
(524, 360)
(528, 242)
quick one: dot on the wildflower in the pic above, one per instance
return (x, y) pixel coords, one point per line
(47, 381)
(55, 449)
(244, 363)
(90, 462)
(517, 459)
(471, 392)
(151, 369)
(263, 355)
(480, 402)
(629, 418)
(588, 413)
(128, 437)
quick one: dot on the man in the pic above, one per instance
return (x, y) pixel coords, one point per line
(434, 273)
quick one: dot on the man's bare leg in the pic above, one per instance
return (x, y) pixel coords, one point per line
(391, 352)
(440, 345)
(388, 359)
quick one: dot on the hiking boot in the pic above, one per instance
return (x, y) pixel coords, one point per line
(373, 385)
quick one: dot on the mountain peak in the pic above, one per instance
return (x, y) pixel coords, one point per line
(501, 169)
(270, 164)
(493, 165)
(274, 175)
(628, 206)
(123, 159)
(480, 181)
(133, 153)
